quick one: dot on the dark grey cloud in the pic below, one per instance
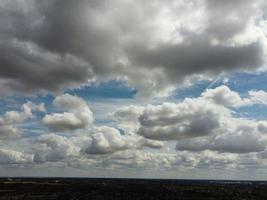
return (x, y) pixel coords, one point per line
(198, 56)
(25, 67)
(25, 64)
(229, 18)
(153, 46)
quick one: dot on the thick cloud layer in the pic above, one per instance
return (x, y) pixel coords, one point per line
(222, 95)
(52, 45)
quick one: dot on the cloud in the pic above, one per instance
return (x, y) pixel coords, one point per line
(262, 127)
(127, 117)
(151, 143)
(207, 160)
(180, 161)
(8, 156)
(240, 16)
(190, 118)
(233, 142)
(11, 119)
(153, 46)
(79, 115)
(208, 114)
(53, 147)
(259, 97)
(107, 140)
(101, 140)
(91, 139)
(199, 56)
(223, 95)
(214, 160)
(141, 160)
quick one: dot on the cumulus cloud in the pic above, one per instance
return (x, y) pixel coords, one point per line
(78, 114)
(106, 140)
(190, 118)
(8, 156)
(223, 95)
(10, 119)
(109, 140)
(127, 117)
(208, 114)
(259, 97)
(153, 46)
(101, 140)
(53, 147)
(239, 141)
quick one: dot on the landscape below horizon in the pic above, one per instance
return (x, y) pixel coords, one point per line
(149, 189)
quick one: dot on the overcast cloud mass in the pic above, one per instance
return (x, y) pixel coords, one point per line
(137, 86)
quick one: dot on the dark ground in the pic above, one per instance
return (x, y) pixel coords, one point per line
(70, 188)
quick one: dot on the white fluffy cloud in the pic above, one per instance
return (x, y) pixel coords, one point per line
(53, 147)
(240, 140)
(98, 141)
(223, 95)
(8, 156)
(10, 119)
(106, 140)
(259, 97)
(127, 117)
(109, 140)
(78, 114)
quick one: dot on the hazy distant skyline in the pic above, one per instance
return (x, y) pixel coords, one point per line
(131, 88)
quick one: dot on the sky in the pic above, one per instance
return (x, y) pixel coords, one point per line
(131, 88)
